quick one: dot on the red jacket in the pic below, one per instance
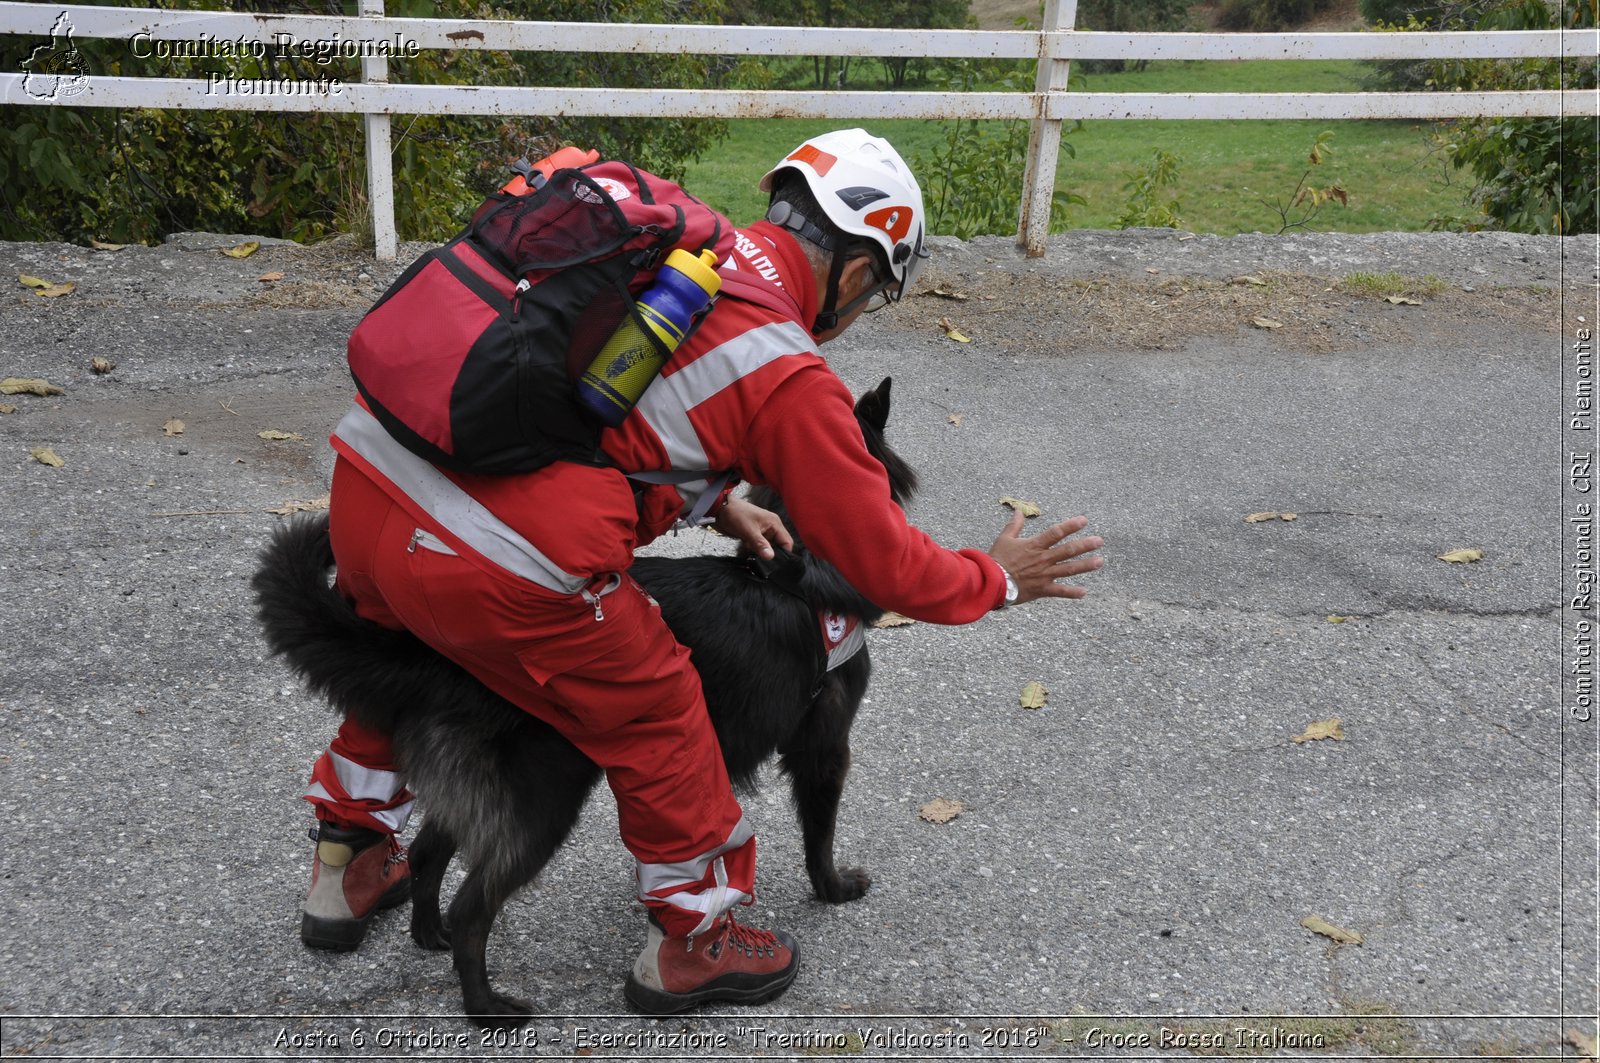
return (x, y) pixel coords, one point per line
(748, 393)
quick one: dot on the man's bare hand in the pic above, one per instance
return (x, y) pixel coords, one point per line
(758, 529)
(1036, 563)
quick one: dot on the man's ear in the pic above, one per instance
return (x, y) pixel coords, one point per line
(857, 276)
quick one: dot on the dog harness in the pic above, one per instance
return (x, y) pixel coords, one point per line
(842, 637)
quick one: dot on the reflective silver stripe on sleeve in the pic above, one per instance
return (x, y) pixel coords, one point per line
(363, 783)
(656, 877)
(393, 818)
(711, 903)
(667, 402)
(452, 507)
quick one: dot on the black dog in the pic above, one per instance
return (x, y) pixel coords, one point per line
(754, 633)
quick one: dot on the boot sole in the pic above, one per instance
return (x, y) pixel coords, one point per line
(725, 990)
(343, 935)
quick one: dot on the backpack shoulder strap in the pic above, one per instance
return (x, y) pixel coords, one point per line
(743, 286)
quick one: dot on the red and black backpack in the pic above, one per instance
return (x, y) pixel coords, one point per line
(469, 358)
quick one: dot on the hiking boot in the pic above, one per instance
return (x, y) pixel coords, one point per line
(357, 872)
(728, 963)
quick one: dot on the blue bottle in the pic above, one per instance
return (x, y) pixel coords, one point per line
(630, 360)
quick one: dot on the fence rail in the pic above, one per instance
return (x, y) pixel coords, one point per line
(1053, 48)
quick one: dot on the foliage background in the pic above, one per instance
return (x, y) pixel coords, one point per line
(1533, 175)
(136, 175)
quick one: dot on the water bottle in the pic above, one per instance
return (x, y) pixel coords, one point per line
(631, 359)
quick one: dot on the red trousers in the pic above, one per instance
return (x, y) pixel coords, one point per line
(609, 677)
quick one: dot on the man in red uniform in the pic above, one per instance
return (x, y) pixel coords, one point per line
(521, 579)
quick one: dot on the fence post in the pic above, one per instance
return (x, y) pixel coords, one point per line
(380, 167)
(1044, 141)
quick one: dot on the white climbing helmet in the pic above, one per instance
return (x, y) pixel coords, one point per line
(868, 192)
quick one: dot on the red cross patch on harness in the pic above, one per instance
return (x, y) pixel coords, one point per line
(842, 637)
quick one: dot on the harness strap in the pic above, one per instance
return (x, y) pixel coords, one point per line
(703, 502)
(739, 285)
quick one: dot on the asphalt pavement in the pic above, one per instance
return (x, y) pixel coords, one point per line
(1134, 862)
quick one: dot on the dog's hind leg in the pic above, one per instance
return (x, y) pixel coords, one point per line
(430, 856)
(817, 761)
(471, 915)
(515, 841)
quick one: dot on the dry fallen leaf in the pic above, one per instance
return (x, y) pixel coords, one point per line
(953, 332)
(1318, 925)
(244, 250)
(940, 810)
(299, 506)
(1334, 618)
(46, 456)
(959, 297)
(15, 385)
(1462, 556)
(101, 365)
(44, 288)
(893, 620)
(1033, 696)
(173, 427)
(1027, 509)
(1319, 729)
(1257, 518)
(956, 419)
(6, 407)
(273, 433)
(268, 278)
(98, 246)
(1584, 1043)
(1265, 322)
(1250, 279)
(1401, 300)
(1151, 269)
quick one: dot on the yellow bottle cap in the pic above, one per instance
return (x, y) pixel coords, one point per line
(702, 268)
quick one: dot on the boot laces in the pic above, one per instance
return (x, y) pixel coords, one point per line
(749, 940)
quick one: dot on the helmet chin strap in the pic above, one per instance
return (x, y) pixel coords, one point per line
(784, 215)
(831, 313)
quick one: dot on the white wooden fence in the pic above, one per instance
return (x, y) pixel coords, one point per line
(1052, 47)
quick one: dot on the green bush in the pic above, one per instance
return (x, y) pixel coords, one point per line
(133, 175)
(1149, 204)
(972, 182)
(1533, 175)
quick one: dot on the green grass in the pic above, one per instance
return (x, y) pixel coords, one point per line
(1383, 285)
(1232, 173)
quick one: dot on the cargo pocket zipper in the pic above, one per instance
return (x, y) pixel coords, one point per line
(593, 597)
(430, 542)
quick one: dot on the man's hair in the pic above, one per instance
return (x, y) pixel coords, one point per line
(789, 187)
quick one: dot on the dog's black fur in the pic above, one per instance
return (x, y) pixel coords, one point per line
(506, 789)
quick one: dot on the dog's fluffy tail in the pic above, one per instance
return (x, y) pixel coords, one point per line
(362, 669)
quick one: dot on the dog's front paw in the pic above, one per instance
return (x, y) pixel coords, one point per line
(500, 1012)
(430, 934)
(846, 884)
